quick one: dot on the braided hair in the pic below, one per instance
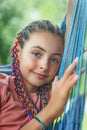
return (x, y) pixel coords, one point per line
(22, 37)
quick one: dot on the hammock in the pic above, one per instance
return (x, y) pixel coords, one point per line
(74, 47)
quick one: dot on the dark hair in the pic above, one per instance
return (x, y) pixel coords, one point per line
(39, 25)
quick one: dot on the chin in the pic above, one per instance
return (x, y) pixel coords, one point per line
(39, 84)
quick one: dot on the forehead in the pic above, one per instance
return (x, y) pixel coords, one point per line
(46, 40)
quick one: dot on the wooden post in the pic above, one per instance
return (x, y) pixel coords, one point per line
(69, 16)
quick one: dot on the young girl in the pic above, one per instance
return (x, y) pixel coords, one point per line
(29, 99)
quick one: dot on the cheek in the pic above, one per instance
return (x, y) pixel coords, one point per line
(27, 64)
(54, 71)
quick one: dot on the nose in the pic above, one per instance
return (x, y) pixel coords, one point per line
(44, 64)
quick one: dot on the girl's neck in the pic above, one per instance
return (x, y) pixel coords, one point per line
(30, 88)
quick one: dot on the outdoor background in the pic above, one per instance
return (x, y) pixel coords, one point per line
(15, 14)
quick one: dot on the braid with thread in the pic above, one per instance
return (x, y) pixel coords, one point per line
(22, 37)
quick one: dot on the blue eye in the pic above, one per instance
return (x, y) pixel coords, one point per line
(54, 60)
(36, 54)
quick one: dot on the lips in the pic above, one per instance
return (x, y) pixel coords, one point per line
(40, 76)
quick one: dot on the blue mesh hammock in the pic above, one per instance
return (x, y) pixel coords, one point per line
(75, 44)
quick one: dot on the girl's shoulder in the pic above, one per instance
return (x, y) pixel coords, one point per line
(4, 79)
(6, 84)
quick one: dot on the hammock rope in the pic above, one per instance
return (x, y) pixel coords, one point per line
(74, 47)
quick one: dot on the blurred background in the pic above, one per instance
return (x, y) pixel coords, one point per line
(15, 14)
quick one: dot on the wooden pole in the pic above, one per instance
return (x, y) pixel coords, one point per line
(69, 15)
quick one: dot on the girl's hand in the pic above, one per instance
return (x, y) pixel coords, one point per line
(61, 89)
(60, 93)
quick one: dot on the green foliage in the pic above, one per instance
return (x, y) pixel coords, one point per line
(84, 123)
(9, 16)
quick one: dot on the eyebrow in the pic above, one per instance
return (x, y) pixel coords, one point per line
(46, 51)
(39, 48)
(57, 54)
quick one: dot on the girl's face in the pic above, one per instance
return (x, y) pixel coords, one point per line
(40, 59)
